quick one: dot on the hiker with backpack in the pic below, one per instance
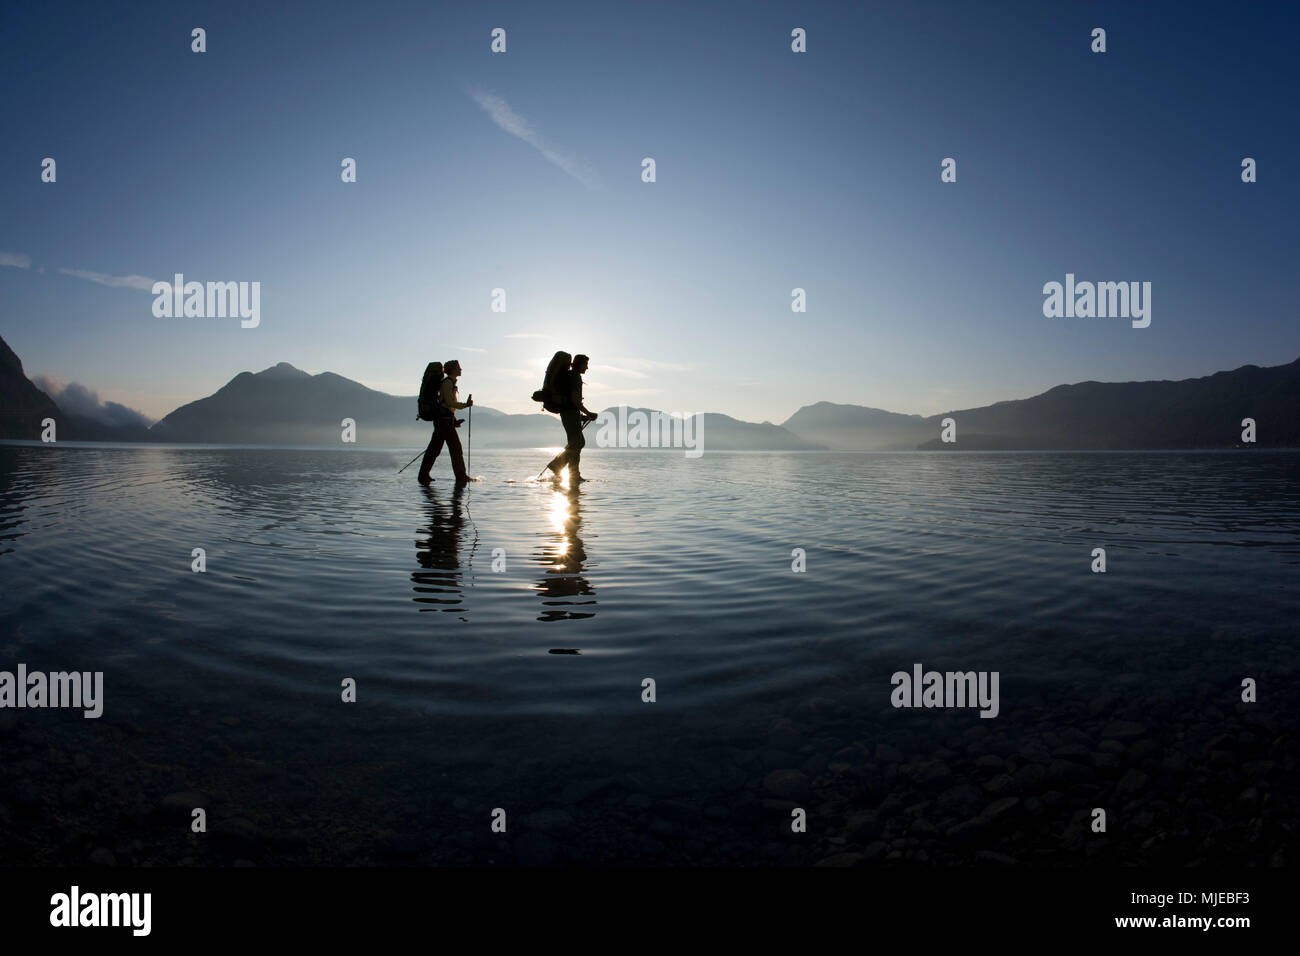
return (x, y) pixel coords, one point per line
(438, 403)
(562, 393)
(428, 412)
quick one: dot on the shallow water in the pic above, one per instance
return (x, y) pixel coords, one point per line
(445, 605)
(322, 564)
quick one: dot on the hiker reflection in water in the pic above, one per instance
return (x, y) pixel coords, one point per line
(564, 557)
(437, 549)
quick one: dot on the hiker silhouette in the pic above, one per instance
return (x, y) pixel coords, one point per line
(563, 394)
(442, 404)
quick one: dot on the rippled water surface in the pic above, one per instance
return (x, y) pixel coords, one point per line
(772, 687)
(325, 564)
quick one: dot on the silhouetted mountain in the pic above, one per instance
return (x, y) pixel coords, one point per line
(856, 427)
(84, 428)
(22, 404)
(284, 405)
(720, 432)
(724, 433)
(1190, 413)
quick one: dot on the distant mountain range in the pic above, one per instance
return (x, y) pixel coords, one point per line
(858, 428)
(284, 405)
(1190, 413)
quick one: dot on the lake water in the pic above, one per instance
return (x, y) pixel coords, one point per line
(445, 607)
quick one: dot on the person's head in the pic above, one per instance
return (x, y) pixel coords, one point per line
(451, 369)
(580, 363)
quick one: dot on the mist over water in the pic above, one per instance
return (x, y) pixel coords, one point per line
(323, 565)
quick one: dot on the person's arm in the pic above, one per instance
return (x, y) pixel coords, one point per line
(576, 398)
(449, 397)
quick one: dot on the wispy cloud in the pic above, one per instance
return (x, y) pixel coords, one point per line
(467, 348)
(514, 124)
(143, 283)
(650, 365)
(527, 335)
(620, 392)
(614, 369)
(16, 260)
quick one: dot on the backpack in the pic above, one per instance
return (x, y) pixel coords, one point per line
(427, 403)
(554, 393)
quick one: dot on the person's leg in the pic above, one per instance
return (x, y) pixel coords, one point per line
(455, 451)
(557, 463)
(575, 457)
(425, 474)
(573, 449)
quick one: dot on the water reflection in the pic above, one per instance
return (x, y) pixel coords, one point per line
(563, 588)
(437, 549)
(14, 494)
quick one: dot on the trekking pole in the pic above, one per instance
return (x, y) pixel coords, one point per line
(409, 463)
(471, 434)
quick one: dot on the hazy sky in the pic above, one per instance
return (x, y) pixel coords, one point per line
(775, 170)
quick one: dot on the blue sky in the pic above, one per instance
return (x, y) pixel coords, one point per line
(775, 170)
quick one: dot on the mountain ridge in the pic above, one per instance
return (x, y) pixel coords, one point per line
(285, 405)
